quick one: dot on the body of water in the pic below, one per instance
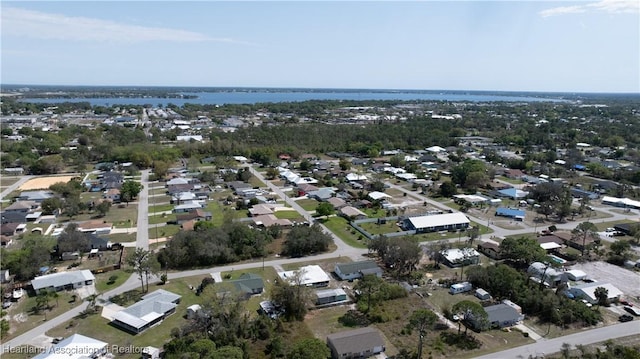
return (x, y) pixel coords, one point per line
(261, 96)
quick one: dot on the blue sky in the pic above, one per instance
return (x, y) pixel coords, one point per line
(586, 46)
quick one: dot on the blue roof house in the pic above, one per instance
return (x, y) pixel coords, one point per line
(516, 214)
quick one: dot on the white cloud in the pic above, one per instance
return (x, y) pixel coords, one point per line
(608, 6)
(562, 10)
(48, 26)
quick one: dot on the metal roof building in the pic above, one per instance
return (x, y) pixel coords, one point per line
(437, 222)
(152, 309)
(63, 280)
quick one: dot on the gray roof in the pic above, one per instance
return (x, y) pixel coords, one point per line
(61, 279)
(355, 267)
(247, 283)
(355, 341)
(501, 313)
(36, 195)
(152, 306)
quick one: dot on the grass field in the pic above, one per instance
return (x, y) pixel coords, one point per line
(157, 219)
(341, 228)
(102, 280)
(6, 181)
(122, 237)
(160, 208)
(308, 204)
(268, 276)
(375, 228)
(292, 214)
(164, 231)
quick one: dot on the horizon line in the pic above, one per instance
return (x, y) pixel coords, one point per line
(2, 89)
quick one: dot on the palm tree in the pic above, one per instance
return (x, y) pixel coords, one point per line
(584, 230)
(422, 320)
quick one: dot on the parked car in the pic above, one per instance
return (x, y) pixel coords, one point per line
(57, 340)
(625, 318)
(632, 310)
(624, 302)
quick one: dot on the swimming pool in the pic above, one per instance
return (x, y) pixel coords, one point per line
(557, 259)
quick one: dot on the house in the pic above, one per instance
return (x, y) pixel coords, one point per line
(183, 197)
(352, 213)
(587, 291)
(490, 248)
(197, 215)
(112, 194)
(63, 280)
(13, 217)
(577, 242)
(437, 222)
(187, 207)
(76, 346)
(36, 196)
(152, 309)
(626, 228)
(304, 188)
(514, 173)
(545, 273)
(513, 193)
(260, 210)
(246, 285)
(378, 196)
(309, 276)
(513, 213)
(499, 316)
(336, 202)
(322, 194)
(455, 257)
(580, 193)
(353, 177)
(180, 188)
(357, 343)
(269, 220)
(355, 270)
(621, 202)
(97, 227)
(177, 181)
(9, 229)
(238, 186)
(111, 179)
(328, 296)
(22, 206)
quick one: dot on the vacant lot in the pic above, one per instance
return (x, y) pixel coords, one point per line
(43, 182)
(625, 280)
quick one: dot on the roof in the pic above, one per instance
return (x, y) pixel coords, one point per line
(352, 211)
(20, 205)
(330, 293)
(589, 289)
(310, 274)
(247, 283)
(550, 245)
(152, 306)
(501, 313)
(62, 278)
(375, 195)
(354, 267)
(269, 220)
(337, 202)
(513, 193)
(454, 254)
(510, 212)
(439, 220)
(355, 341)
(76, 346)
(621, 202)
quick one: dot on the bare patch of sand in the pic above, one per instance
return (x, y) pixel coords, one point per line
(43, 182)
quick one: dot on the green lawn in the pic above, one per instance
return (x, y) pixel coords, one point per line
(341, 228)
(160, 208)
(510, 180)
(308, 204)
(292, 214)
(122, 237)
(255, 182)
(268, 276)
(164, 231)
(327, 264)
(157, 219)
(102, 280)
(375, 228)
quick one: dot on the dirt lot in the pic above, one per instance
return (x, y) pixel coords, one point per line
(43, 182)
(625, 280)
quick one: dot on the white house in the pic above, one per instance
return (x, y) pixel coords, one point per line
(63, 280)
(151, 310)
(310, 276)
(587, 291)
(355, 270)
(76, 347)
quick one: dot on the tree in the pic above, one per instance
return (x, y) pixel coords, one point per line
(309, 348)
(448, 189)
(344, 164)
(525, 250)
(305, 165)
(602, 294)
(433, 250)
(303, 240)
(103, 208)
(368, 285)
(325, 209)
(130, 190)
(472, 313)
(272, 173)
(145, 264)
(620, 247)
(582, 231)
(50, 205)
(474, 233)
(292, 296)
(72, 240)
(422, 320)
(160, 168)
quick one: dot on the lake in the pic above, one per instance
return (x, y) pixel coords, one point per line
(261, 96)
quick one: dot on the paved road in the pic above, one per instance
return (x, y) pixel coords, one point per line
(7, 191)
(342, 248)
(550, 346)
(142, 234)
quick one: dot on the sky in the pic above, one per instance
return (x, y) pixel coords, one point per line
(546, 46)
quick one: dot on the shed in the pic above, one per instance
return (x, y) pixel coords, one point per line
(327, 296)
(193, 310)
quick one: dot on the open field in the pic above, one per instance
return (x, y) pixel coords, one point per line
(308, 204)
(43, 182)
(288, 214)
(164, 231)
(341, 228)
(6, 181)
